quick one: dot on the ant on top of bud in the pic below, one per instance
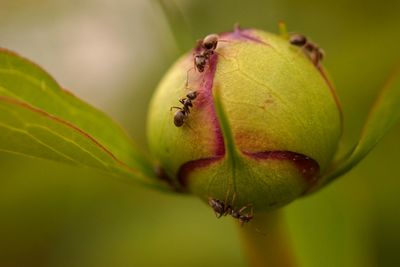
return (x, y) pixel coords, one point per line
(208, 45)
(204, 50)
(313, 51)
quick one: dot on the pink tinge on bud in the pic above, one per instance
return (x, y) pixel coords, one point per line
(282, 120)
(307, 167)
(206, 103)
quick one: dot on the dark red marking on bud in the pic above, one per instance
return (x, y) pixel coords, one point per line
(308, 167)
(189, 167)
(206, 101)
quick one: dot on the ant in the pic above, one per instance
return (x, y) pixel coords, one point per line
(204, 50)
(222, 209)
(243, 218)
(182, 114)
(314, 52)
(219, 207)
(208, 44)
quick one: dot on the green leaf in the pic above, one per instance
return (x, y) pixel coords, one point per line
(38, 118)
(384, 114)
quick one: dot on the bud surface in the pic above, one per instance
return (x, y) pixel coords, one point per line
(264, 125)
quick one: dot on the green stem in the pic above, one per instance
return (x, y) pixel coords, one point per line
(266, 242)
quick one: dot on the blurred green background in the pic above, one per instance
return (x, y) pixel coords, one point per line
(112, 54)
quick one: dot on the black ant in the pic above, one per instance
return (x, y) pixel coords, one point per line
(219, 207)
(204, 50)
(182, 114)
(314, 52)
(243, 218)
(222, 209)
(208, 44)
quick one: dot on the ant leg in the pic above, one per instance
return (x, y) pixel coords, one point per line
(314, 57)
(219, 54)
(230, 207)
(175, 108)
(245, 207)
(226, 204)
(227, 195)
(321, 55)
(224, 41)
(233, 199)
(242, 209)
(187, 76)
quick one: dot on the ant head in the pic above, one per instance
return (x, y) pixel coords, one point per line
(192, 95)
(210, 42)
(298, 40)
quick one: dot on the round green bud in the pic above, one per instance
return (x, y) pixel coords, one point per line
(257, 124)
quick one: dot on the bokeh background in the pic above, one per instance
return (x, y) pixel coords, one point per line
(112, 53)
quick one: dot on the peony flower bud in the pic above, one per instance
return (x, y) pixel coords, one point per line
(263, 125)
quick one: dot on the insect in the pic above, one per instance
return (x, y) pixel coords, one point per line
(219, 207)
(207, 47)
(183, 112)
(314, 52)
(222, 209)
(242, 217)
(210, 42)
(204, 50)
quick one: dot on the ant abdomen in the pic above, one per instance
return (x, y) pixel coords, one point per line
(210, 42)
(179, 118)
(298, 39)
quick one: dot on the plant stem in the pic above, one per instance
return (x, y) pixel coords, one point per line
(266, 242)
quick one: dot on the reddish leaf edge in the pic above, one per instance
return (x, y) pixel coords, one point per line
(143, 178)
(144, 154)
